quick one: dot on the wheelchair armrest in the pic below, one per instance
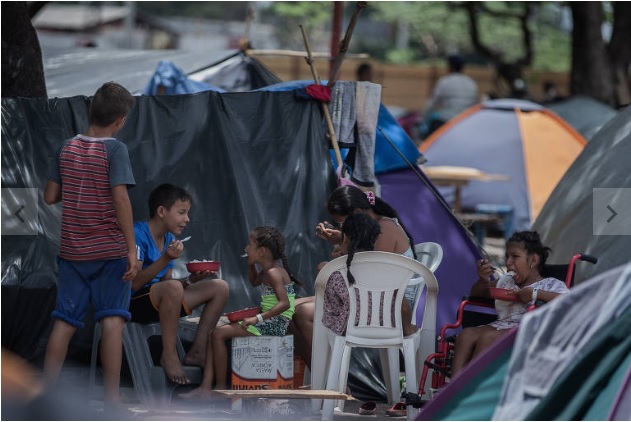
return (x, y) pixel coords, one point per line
(479, 301)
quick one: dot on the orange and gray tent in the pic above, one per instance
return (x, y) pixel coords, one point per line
(519, 139)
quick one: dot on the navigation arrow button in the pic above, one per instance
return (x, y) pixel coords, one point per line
(613, 214)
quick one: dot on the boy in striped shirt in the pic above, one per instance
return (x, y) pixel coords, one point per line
(90, 175)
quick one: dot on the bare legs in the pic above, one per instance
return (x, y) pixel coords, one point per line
(168, 296)
(214, 295)
(111, 354)
(216, 361)
(56, 350)
(471, 342)
(406, 318)
(302, 323)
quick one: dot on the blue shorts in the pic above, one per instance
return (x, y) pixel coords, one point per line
(97, 282)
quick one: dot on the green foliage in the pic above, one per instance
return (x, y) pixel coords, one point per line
(313, 16)
(438, 28)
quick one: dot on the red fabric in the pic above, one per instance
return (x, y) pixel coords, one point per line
(319, 92)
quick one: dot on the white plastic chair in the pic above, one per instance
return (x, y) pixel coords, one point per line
(386, 275)
(429, 254)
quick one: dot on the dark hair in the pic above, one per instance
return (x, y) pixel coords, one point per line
(363, 71)
(110, 102)
(272, 239)
(531, 242)
(165, 196)
(456, 62)
(362, 232)
(346, 199)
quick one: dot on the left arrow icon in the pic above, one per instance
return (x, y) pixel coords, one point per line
(17, 213)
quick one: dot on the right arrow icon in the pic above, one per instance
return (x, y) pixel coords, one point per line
(613, 214)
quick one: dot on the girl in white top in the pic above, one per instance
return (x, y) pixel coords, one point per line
(525, 257)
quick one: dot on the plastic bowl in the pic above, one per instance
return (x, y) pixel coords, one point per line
(195, 266)
(502, 294)
(242, 314)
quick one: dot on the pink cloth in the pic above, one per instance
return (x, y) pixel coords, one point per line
(319, 92)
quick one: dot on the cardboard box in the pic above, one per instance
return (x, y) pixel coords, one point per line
(299, 371)
(262, 363)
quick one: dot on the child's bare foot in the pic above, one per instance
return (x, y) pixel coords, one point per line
(194, 359)
(409, 330)
(197, 394)
(173, 370)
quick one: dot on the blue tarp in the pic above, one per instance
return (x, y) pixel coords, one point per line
(386, 157)
(168, 79)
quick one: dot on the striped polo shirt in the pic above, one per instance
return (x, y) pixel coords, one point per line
(87, 169)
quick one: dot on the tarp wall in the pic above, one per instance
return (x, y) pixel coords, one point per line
(248, 159)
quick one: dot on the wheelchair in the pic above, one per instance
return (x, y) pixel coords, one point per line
(440, 361)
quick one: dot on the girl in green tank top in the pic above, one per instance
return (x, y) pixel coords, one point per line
(267, 269)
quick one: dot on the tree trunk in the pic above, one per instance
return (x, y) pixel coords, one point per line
(592, 74)
(620, 51)
(22, 67)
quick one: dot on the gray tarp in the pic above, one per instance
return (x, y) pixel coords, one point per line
(248, 159)
(243, 164)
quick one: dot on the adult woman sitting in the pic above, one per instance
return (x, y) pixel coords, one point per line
(393, 237)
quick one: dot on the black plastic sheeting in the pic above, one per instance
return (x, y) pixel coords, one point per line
(248, 159)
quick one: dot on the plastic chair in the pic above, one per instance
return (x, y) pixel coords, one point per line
(429, 254)
(385, 276)
(150, 382)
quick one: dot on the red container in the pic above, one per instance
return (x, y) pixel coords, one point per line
(503, 294)
(195, 266)
(241, 314)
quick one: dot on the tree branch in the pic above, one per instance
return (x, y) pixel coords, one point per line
(472, 10)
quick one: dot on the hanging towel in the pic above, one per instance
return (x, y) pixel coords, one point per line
(343, 113)
(367, 101)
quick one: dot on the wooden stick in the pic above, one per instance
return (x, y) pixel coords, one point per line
(244, 42)
(294, 53)
(325, 108)
(345, 43)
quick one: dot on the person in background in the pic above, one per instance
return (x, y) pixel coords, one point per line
(268, 269)
(550, 93)
(158, 296)
(364, 72)
(90, 175)
(525, 257)
(453, 93)
(343, 202)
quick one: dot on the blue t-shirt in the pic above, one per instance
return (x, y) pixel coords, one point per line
(148, 252)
